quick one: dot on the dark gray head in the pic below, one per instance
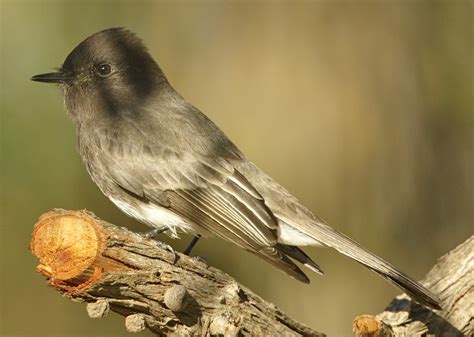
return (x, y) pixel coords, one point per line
(108, 72)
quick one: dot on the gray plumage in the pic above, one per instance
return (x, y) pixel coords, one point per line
(162, 161)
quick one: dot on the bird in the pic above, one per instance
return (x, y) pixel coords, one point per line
(163, 162)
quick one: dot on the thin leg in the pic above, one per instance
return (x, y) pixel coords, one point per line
(155, 232)
(191, 245)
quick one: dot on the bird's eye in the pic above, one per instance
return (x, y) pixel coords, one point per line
(104, 69)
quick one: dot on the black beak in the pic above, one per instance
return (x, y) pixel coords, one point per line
(58, 77)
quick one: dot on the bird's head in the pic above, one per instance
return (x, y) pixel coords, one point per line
(108, 71)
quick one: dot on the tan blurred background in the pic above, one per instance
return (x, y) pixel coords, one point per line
(362, 109)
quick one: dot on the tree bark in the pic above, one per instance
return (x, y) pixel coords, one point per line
(452, 278)
(112, 268)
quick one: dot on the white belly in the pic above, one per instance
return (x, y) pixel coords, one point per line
(156, 216)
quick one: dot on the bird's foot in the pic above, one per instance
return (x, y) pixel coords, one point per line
(168, 248)
(202, 260)
(155, 232)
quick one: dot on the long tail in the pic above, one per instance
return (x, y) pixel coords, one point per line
(332, 238)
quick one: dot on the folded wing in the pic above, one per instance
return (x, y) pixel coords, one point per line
(208, 193)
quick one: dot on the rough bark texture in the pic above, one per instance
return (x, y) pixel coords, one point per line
(111, 268)
(452, 278)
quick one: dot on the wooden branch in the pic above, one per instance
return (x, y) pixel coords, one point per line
(112, 268)
(453, 279)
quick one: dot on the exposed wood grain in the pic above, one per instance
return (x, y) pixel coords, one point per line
(112, 268)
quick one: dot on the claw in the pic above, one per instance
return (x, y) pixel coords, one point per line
(202, 260)
(154, 232)
(168, 248)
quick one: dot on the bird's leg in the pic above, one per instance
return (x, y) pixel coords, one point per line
(159, 230)
(155, 232)
(191, 245)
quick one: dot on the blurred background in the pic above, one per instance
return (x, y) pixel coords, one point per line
(362, 109)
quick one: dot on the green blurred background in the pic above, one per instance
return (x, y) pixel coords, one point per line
(362, 109)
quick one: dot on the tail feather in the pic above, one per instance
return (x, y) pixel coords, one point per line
(345, 245)
(278, 258)
(300, 256)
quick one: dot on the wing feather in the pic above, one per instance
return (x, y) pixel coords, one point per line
(207, 192)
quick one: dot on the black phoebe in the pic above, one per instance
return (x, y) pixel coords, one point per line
(163, 162)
